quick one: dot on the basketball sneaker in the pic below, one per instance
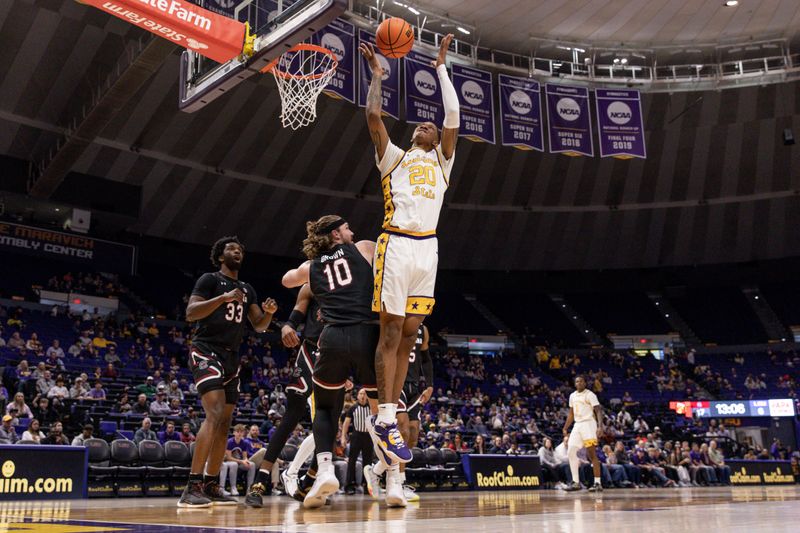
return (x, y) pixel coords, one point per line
(193, 496)
(213, 492)
(597, 487)
(395, 496)
(373, 483)
(572, 487)
(289, 482)
(325, 485)
(304, 484)
(410, 493)
(392, 444)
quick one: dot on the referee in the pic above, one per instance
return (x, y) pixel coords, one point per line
(358, 417)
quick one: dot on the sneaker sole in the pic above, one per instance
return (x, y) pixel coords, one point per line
(391, 455)
(286, 484)
(254, 505)
(392, 502)
(183, 505)
(318, 499)
(370, 489)
(224, 504)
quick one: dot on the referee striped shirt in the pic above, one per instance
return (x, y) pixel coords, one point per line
(359, 414)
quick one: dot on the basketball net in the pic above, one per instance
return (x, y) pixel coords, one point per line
(302, 72)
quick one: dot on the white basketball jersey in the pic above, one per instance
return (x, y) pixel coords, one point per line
(413, 183)
(583, 404)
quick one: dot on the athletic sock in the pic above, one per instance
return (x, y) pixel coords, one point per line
(264, 477)
(209, 479)
(325, 461)
(387, 413)
(379, 468)
(597, 481)
(193, 478)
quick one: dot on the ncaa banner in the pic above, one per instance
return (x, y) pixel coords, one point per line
(569, 120)
(183, 23)
(476, 97)
(340, 38)
(423, 94)
(520, 113)
(390, 87)
(619, 123)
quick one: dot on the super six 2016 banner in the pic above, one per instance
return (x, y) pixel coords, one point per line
(619, 123)
(390, 87)
(476, 96)
(520, 113)
(569, 120)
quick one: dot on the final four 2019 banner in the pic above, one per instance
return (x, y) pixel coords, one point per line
(423, 94)
(569, 120)
(475, 94)
(619, 123)
(339, 38)
(520, 113)
(390, 87)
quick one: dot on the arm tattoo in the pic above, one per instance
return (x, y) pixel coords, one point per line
(380, 374)
(374, 96)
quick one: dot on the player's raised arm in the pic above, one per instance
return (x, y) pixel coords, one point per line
(297, 276)
(297, 317)
(452, 119)
(367, 249)
(377, 130)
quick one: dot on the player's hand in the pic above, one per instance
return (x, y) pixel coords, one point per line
(566, 433)
(426, 395)
(269, 306)
(236, 295)
(368, 51)
(443, 46)
(289, 337)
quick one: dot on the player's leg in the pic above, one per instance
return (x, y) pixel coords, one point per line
(574, 444)
(591, 451)
(328, 405)
(295, 411)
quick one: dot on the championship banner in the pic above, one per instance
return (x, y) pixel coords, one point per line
(761, 472)
(423, 94)
(390, 87)
(502, 472)
(476, 97)
(569, 120)
(181, 22)
(340, 38)
(619, 123)
(520, 113)
(43, 472)
(101, 255)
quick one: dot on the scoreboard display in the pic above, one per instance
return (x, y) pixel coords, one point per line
(735, 408)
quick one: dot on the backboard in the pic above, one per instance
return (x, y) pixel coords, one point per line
(277, 25)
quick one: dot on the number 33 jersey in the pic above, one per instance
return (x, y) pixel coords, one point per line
(342, 283)
(224, 328)
(413, 184)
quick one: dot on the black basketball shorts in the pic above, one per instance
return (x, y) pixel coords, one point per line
(409, 401)
(346, 351)
(215, 369)
(303, 371)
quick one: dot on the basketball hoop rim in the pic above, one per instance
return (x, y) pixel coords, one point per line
(273, 65)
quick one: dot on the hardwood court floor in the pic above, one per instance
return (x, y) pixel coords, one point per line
(773, 509)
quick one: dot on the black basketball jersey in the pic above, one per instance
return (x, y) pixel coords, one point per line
(313, 326)
(415, 359)
(224, 328)
(341, 281)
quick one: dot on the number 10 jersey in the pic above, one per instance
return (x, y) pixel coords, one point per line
(342, 283)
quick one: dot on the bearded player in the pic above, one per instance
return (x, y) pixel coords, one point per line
(219, 303)
(414, 182)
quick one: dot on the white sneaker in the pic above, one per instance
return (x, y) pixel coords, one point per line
(234, 492)
(410, 494)
(289, 482)
(373, 482)
(394, 490)
(325, 485)
(225, 492)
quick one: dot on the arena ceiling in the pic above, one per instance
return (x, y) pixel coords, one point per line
(718, 184)
(508, 24)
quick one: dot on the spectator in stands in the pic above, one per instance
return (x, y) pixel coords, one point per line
(123, 405)
(617, 472)
(705, 473)
(112, 357)
(175, 391)
(141, 407)
(19, 407)
(713, 457)
(236, 454)
(547, 459)
(480, 445)
(144, 432)
(75, 349)
(16, 342)
(79, 390)
(148, 388)
(55, 349)
(58, 390)
(55, 362)
(24, 373)
(98, 392)
(187, 437)
(193, 419)
(169, 433)
(681, 465)
(110, 372)
(33, 344)
(80, 440)
(4, 396)
(45, 383)
(56, 436)
(640, 425)
(33, 432)
(159, 406)
(39, 371)
(8, 435)
(44, 413)
(562, 459)
(458, 444)
(175, 408)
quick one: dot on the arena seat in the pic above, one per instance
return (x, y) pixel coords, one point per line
(101, 474)
(288, 452)
(176, 455)
(125, 454)
(158, 479)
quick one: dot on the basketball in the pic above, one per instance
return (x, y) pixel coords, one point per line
(395, 37)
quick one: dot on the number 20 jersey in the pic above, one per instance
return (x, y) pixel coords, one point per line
(222, 329)
(413, 184)
(342, 282)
